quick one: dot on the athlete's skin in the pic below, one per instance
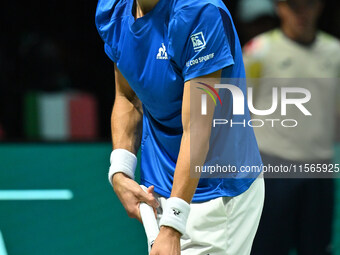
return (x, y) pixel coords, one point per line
(126, 122)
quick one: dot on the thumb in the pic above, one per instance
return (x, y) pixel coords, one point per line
(147, 197)
(150, 189)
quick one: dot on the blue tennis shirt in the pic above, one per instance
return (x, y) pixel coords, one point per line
(175, 42)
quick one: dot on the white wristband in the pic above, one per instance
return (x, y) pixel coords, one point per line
(175, 214)
(122, 161)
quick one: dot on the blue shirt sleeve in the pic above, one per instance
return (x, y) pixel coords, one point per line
(198, 44)
(110, 52)
(108, 25)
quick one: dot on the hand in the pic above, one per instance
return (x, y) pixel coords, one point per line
(167, 242)
(131, 195)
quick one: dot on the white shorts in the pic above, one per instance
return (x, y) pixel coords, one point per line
(223, 226)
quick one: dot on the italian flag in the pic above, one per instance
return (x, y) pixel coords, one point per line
(61, 116)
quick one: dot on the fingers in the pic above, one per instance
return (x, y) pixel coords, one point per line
(139, 217)
(155, 211)
(147, 197)
(132, 195)
(150, 189)
(133, 212)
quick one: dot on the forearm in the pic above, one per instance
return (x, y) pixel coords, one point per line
(185, 180)
(126, 124)
(197, 128)
(126, 127)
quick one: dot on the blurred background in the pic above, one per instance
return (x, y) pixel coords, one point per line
(56, 96)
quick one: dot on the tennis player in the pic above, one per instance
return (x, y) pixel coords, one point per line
(162, 49)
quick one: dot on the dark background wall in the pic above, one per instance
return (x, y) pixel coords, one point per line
(54, 45)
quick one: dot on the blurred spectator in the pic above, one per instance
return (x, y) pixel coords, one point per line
(298, 212)
(255, 17)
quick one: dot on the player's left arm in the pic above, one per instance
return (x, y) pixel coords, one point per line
(197, 129)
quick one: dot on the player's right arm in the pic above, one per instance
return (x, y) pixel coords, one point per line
(126, 118)
(126, 128)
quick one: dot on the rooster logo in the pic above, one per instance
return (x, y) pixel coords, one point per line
(162, 52)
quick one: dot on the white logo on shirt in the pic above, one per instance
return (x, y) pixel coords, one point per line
(162, 52)
(198, 41)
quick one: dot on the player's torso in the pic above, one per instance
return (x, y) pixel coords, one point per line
(153, 57)
(144, 62)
